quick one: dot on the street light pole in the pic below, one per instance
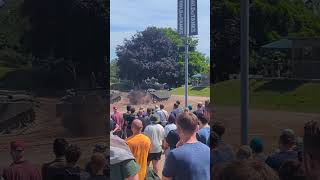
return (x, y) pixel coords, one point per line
(244, 70)
(186, 52)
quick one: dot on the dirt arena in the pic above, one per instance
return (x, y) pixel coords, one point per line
(40, 135)
(265, 124)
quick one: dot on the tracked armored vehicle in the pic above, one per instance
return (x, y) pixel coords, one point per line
(17, 110)
(83, 112)
(157, 91)
(159, 95)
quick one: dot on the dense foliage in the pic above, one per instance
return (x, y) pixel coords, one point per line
(148, 54)
(67, 38)
(270, 20)
(159, 52)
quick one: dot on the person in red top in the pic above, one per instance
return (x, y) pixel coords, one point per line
(117, 117)
(20, 169)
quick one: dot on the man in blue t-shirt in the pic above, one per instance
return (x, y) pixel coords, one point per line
(203, 134)
(191, 160)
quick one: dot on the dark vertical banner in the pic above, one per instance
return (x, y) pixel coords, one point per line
(181, 13)
(193, 18)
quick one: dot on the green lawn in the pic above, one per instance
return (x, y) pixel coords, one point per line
(288, 95)
(205, 92)
(4, 71)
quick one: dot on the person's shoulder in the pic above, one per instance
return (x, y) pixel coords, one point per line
(202, 146)
(159, 126)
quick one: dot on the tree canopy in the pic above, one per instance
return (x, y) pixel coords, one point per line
(270, 20)
(148, 53)
(159, 52)
(65, 37)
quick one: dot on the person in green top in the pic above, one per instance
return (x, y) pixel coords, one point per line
(122, 163)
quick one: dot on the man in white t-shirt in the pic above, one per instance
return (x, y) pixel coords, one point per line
(162, 115)
(156, 134)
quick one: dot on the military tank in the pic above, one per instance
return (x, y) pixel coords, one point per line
(150, 90)
(159, 95)
(158, 92)
(17, 110)
(83, 111)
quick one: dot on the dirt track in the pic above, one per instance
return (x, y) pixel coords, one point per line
(263, 123)
(40, 135)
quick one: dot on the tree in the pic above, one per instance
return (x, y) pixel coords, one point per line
(270, 20)
(114, 70)
(149, 53)
(73, 31)
(197, 61)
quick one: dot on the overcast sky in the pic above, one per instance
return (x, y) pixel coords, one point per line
(129, 16)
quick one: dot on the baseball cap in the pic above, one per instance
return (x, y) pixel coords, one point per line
(17, 145)
(154, 118)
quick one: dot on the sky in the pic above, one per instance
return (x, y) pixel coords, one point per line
(130, 16)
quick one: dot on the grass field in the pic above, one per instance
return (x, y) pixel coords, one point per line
(4, 71)
(193, 91)
(288, 95)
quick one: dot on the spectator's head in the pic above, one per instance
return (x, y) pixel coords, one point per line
(59, 146)
(132, 110)
(73, 154)
(187, 125)
(98, 162)
(140, 113)
(244, 153)
(17, 150)
(178, 102)
(256, 144)
(291, 170)
(128, 108)
(190, 107)
(115, 109)
(199, 106)
(214, 140)
(186, 109)
(100, 148)
(311, 149)
(202, 119)
(175, 106)
(287, 140)
(247, 170)
(219, 128)
(171, 119)
(161, 106)
(136, 126)
(149, 110)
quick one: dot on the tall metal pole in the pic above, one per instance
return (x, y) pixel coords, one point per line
(244, 70)
(186, 52)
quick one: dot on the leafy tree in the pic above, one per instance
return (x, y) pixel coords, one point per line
(149, 53)
(197, 61)
(71, 33)
(114, 70)
(270, 20)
